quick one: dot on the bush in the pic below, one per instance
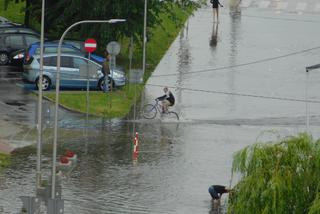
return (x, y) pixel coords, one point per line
(281, 177)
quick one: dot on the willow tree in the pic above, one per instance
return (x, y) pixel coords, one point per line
(281, 177)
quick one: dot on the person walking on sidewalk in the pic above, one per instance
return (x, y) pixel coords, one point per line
(215, 7)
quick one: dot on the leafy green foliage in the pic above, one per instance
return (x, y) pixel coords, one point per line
(278, 178)
(59, 16)
(11, 11)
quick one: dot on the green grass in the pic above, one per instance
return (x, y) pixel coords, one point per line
(14, 12)
(112, 104)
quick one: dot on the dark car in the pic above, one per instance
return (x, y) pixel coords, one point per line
(11, 42)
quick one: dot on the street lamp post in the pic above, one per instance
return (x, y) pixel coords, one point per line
(309, 68)
(54, 152)
(39, 126)
(144, 37)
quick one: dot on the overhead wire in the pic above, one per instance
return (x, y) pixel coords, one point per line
(238, 65)
(240, 94)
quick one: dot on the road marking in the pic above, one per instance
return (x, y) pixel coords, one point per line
(264, 4)
(301, 6)
(246, 3)
(282, 5)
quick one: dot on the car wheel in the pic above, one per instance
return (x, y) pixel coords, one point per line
(100, 84)
(4, 58)
(46, 83)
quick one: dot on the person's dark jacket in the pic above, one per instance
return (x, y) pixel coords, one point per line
(168, 96)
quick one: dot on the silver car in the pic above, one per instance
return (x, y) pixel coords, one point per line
(75, 70)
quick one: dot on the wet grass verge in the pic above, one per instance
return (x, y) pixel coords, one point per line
(123, 99)
(112, 104)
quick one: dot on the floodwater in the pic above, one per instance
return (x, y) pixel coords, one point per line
(238, 83)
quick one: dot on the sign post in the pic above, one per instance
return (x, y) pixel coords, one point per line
(90, 45)
(113, 49)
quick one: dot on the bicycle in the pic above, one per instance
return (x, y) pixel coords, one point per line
(150, 111)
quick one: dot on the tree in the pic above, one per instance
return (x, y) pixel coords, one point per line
(59, 16)
(279, 177)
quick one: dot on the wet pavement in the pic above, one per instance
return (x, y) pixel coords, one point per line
(238, 83)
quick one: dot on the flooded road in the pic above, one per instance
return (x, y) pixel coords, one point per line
(176, 163)
(235, 84)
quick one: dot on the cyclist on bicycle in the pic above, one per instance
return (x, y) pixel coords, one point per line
(166, 100)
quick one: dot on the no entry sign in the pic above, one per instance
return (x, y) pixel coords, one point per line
(90, 45)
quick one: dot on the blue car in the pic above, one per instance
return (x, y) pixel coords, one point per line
(74, 72)
(52, 47)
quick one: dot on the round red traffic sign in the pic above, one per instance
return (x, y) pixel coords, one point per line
(90, 45)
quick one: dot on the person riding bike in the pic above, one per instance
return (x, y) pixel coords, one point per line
(166, 100)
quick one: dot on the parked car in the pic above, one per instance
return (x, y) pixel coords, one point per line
(10, 42)
(51, 47)
(71, 75)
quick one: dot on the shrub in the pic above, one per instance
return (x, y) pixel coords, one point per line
(281, 177)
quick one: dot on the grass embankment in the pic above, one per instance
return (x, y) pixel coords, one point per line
(281, 177)
(14, 12)
(112, 104)
(122, 99)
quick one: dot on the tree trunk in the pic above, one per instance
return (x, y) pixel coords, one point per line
(27, 13)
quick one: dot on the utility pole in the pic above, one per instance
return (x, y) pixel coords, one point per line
(144, 37)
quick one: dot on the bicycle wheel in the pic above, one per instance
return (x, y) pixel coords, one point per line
(149, 111)
(173, 115)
